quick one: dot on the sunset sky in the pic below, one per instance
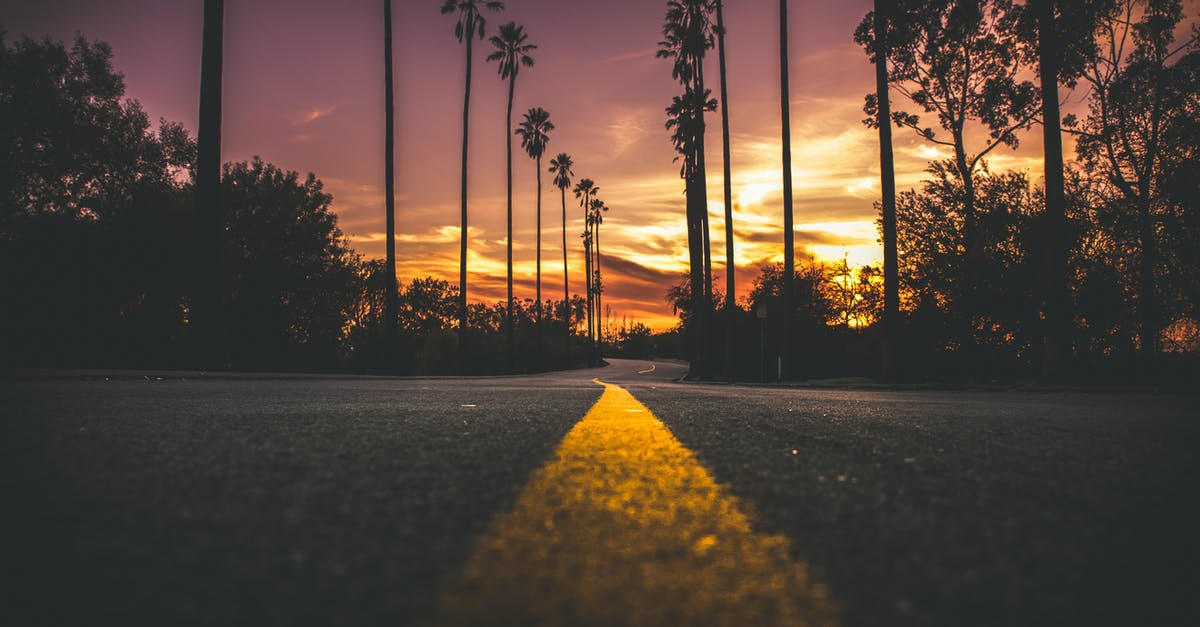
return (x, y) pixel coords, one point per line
(303, 89)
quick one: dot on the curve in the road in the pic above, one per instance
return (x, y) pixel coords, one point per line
(623, 526)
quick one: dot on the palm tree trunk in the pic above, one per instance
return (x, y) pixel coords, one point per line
(539, 252)
(208, 312)
(462, 237)
(887, 183)
(566, 282)
(730, 267)
(599, 292)
(1057, 326)
(508, 321)
(390, 304)
(789, 235)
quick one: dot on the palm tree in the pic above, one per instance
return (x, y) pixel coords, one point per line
(585, 189)
(535, 134)
(887, 180)
(560, 167)
(687, 35)
(512, 52)
(208, 314)
(789, 235)
(598, 207)
(471, 24)
(390, 300)
(730, 342)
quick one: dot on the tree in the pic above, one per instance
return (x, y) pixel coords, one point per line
(291, 273)
(535, 134)
(208, 311)
(730, 266)
(687, 36)
(878, 107)
(1140, 136)
(471, 24)
(585, 190)
(960, 61)
(560, 167)
(597, 213)
(511, 52)
(95, 215)
(789, 230)
(389, 166)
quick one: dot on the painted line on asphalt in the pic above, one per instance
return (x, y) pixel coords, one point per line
(648, 370)
(623, 526)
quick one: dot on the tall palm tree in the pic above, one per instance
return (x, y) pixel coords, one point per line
(585, 189)
(208, 314)
(471, 24)
(887, 184)
(560, 167)
(730, 341)
(789, 235)
(598, 209)
(511, 52)
(535, 134)
(687, 35)
(390, 300)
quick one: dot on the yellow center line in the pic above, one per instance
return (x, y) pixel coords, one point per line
(647, 370)
(623, 526)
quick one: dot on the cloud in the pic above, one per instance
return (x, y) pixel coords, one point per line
(304, 118)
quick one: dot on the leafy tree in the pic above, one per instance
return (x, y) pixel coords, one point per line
(959, 61)
(511, 52)
(291, 273)
(93, 215)
(471, 23)
(1140, 137)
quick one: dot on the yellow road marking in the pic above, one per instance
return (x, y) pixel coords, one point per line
(623, 526)
(647, 370)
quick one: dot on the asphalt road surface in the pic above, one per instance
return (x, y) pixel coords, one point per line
(613, 496)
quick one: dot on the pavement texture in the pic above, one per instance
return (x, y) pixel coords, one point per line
(557, 500)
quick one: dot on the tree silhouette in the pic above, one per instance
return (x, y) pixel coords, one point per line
(687, 35)
(535, 134)
(960, 61)
(878, 108)
(511, 52)
(1140, 135)
(389, 165)
(1059, 38)
(730, 266)
(585, 190)
(789, 233)
(207, 310)
(471, 24)
(560, 167)
(598, 209)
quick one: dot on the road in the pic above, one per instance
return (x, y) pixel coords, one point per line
(599, 497)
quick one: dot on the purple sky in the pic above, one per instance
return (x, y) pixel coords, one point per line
(303, 89)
